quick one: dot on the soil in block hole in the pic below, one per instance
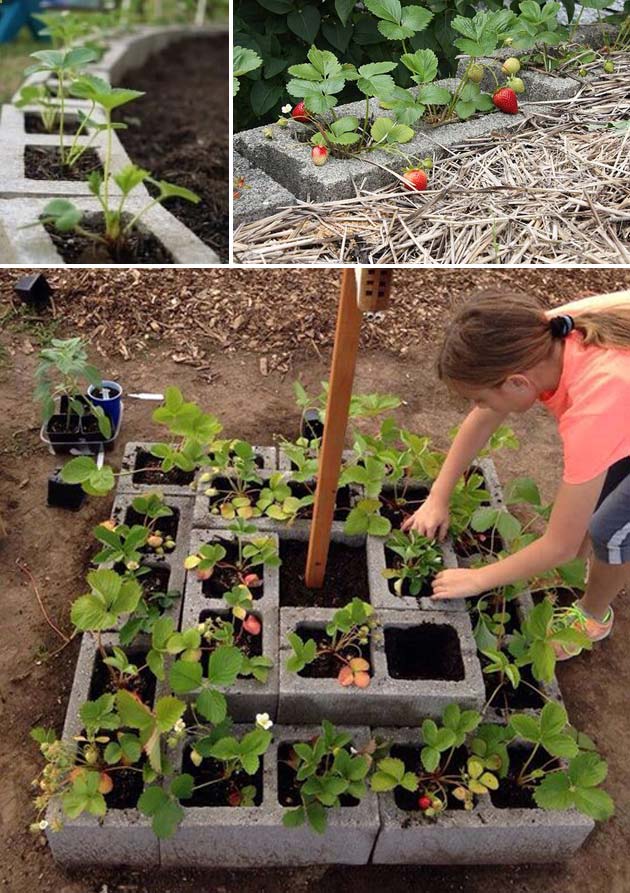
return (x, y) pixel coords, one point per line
(395, 561)
(288, 786)
(249, 644)
(155, 581)
(167, 525)
(44, 163)
(33, 124)
(221, 792)
(128, 786)
(139, 245)
(102, 681)
(397, 508)
(426, 651)
(509, 698)
(225, 578)
(226, 493)
(327, 666)
(495, 605)
(410, 755)
(346, 576)
(259, 462)
(512, 795)
(342, 503)
(147, 471)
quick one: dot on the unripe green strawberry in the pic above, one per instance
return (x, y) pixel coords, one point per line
(475, 73)
(516, 84)
(268, 133)
(511, 66)
(609, 66)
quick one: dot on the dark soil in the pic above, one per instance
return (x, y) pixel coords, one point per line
(101, 682)
(394, 561)
(127, 789)
(217, 794)
(410, 755)
(509, 698)
(511, 795)
(342, 503)
(494, 605)
(471, 543)
(426, 651)
(167, 525)
(44, 163)
(288, 787)
(259, 462)
(33, 124)
(225, 578)
(398, 509)
(155, 581)
(59, 424)
(160, 478)
(346, 576)
(327, 666)
(249, 644)
(227, 492)
(140, 246)
(182, 135)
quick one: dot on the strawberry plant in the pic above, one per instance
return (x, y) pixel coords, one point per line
(251, 552)
(217, 631)
(418, 561)
(534, 643)
(343, 647)
(325, 772)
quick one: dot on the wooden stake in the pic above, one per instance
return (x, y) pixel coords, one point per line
(337, 409)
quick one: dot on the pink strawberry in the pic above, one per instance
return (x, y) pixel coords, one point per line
(319, 155)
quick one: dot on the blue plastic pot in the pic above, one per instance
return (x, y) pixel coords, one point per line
(110, 400)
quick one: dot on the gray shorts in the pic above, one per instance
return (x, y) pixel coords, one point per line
(610, 524)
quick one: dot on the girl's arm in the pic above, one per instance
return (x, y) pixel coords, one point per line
(432, 518)
(596, 304)
(560, 543)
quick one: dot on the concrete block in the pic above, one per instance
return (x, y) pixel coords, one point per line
(488, 471)
(260, 196)
(123, 836)
(387, 700)
(34, 246)
(485, 836)
(250, 837)
(128, 482)
(539, 87)
(381, 594)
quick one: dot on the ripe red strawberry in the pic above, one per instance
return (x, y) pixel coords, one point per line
(319, 155)
(299, 113)
(506, 101)
(424, 802)
(416, 179)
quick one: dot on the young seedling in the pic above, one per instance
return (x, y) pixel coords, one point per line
(217, 631)
(253, 551)
(533, 643)
(418, 561)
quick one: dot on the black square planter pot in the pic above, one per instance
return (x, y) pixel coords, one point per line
(62, 495)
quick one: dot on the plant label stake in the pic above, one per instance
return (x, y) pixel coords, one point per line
(362, 290)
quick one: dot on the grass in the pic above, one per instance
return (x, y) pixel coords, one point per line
(14, 58)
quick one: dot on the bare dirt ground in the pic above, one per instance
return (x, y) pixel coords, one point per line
(285, 332)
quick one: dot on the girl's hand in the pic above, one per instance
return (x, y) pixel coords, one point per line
(460, 583)
(431, 519)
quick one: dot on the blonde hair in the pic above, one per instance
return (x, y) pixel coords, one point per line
(497, 334)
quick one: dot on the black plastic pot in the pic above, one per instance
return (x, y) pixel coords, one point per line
(33, 290)
(311, 426)
(82, 435)
(62, 495)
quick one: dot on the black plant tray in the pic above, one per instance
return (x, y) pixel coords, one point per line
(59, 443)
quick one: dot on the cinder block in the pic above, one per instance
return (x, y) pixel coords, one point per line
(539, 87)
(485, 836)
(123, 836)
(134, 451)
(259, 196)
(381, 594)
(23, 243)
(387, 700)
(250, 837)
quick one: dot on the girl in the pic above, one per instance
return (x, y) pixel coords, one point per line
(505, 353)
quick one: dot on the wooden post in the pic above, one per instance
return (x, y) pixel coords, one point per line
(338, 406)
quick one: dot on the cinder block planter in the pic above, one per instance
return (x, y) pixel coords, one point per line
(34, 245)
(123, 836)
(15, 142)
(123, 513)
(400, 691)
(488, 470)
(259, 195)
(487, 835)
(381, 594)
(250, 837)
(137, 456)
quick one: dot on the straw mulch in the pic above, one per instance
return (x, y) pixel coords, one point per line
(556, 191)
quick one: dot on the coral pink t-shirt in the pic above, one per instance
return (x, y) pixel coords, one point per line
(592, 406)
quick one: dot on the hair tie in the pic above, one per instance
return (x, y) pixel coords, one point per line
(561, 326)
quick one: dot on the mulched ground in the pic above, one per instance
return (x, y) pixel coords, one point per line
(179, 131)
(277, 314)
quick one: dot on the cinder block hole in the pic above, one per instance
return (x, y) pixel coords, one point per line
(154, 581)
(508, 698)
(214, 789)
(103, 677)
(227, 492)
(166, 526)
(426, 651)
(259, 461)
(248, 643)
(147, 471)
(288, 786)
(514, 795)
(225, 575)
(397, 505)
(33, 124)
(410, 755)
(346, 576)
(328, 665)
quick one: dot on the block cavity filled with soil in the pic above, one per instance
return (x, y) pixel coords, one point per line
(214, 788)
(426, 651)
(147, 471)
(346, 576)
(328, 664)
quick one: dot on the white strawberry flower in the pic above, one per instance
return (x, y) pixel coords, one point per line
(286, 108)
(42, 825)
(263, 721)
(179, 726)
